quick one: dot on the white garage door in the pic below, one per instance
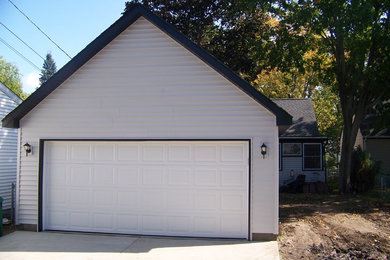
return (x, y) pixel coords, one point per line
(179, 188)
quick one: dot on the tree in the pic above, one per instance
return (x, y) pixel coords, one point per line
(356, 34)
(48, 70)
(10, 77)
(222, 28)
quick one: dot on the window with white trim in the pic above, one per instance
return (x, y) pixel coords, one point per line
(312, 157)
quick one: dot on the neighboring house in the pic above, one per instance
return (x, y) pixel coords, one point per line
(143, 132)
(376, 142)
(301, 146)
(8, 146)
(378, 145)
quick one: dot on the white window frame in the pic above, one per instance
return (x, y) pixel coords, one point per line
(303, 157)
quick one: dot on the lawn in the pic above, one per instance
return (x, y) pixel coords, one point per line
(331, 226)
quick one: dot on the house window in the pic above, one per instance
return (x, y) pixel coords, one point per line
(292, 149)
(312, 157)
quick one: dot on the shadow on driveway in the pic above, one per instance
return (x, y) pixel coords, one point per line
(64, 245)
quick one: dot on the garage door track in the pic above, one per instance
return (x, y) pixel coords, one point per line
(58, 245)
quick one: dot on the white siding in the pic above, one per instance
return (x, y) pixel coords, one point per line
(145, 85)
(295, 163)
(8, 151)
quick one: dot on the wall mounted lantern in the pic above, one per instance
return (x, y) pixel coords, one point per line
(292, 173)
(27, 148)
(263, 150)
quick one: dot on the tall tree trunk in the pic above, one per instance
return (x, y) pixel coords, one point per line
(350, 130)
(345, 162)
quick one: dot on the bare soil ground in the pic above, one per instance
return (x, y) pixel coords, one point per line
(317, 226)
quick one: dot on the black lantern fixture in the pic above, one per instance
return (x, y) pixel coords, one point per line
(263, 150)
(27, 148)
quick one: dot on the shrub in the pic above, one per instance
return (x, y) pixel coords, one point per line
(364, 170)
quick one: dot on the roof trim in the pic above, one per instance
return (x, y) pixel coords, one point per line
(303, 137)
(13, 118)
(10, 94)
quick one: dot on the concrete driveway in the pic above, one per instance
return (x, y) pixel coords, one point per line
(80, 246)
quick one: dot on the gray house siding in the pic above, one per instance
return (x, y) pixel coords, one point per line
(8, 146)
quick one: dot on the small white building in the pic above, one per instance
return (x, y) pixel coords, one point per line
(8, 146)
(143, 132)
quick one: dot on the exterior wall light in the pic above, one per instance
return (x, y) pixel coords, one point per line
(292, 173)
(263, 150)
(27, 148)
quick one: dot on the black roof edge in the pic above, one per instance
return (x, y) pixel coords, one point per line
(12, 119)
(303, 137)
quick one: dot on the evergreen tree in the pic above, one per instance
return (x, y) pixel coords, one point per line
(48, 70)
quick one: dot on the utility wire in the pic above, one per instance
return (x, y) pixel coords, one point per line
(47, 36)
(22, 41)
(21, 55)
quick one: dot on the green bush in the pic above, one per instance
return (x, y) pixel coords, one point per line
(364, 170)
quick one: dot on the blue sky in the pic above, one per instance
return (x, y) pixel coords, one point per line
(72, 24)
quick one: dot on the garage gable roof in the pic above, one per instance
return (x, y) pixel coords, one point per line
(13, 118)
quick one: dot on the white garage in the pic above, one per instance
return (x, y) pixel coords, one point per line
(186, 188)
(143, 132)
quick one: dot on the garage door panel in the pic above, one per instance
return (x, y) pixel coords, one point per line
(80, 175)
(127, 152)
(80, 152)
(104, 152)
(153, 176)
(205, 177)
(153, 153)
(127, 176)
(205, 153)
(179, 176)
(183, 188)
(103, 176)
(103, 221)
(153, 224)
(79, 197)
(128, 199)
(179, 224)
(179, 153)
(127, 223)
(80, 219)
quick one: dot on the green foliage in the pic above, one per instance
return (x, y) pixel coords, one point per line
(229, 32)
(356, 34)
(364, 170)
(48, 70)
(10, 77)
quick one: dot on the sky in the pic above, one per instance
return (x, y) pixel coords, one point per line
(72, 24)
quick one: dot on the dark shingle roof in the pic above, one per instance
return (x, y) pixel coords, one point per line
(304, 118)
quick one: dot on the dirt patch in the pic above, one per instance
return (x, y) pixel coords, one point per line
(333, 227)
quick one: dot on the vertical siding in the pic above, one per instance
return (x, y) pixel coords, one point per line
(145, 85)
(8, 151)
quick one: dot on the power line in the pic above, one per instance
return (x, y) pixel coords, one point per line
(21, 55)
(47, 36)
(22, 41)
